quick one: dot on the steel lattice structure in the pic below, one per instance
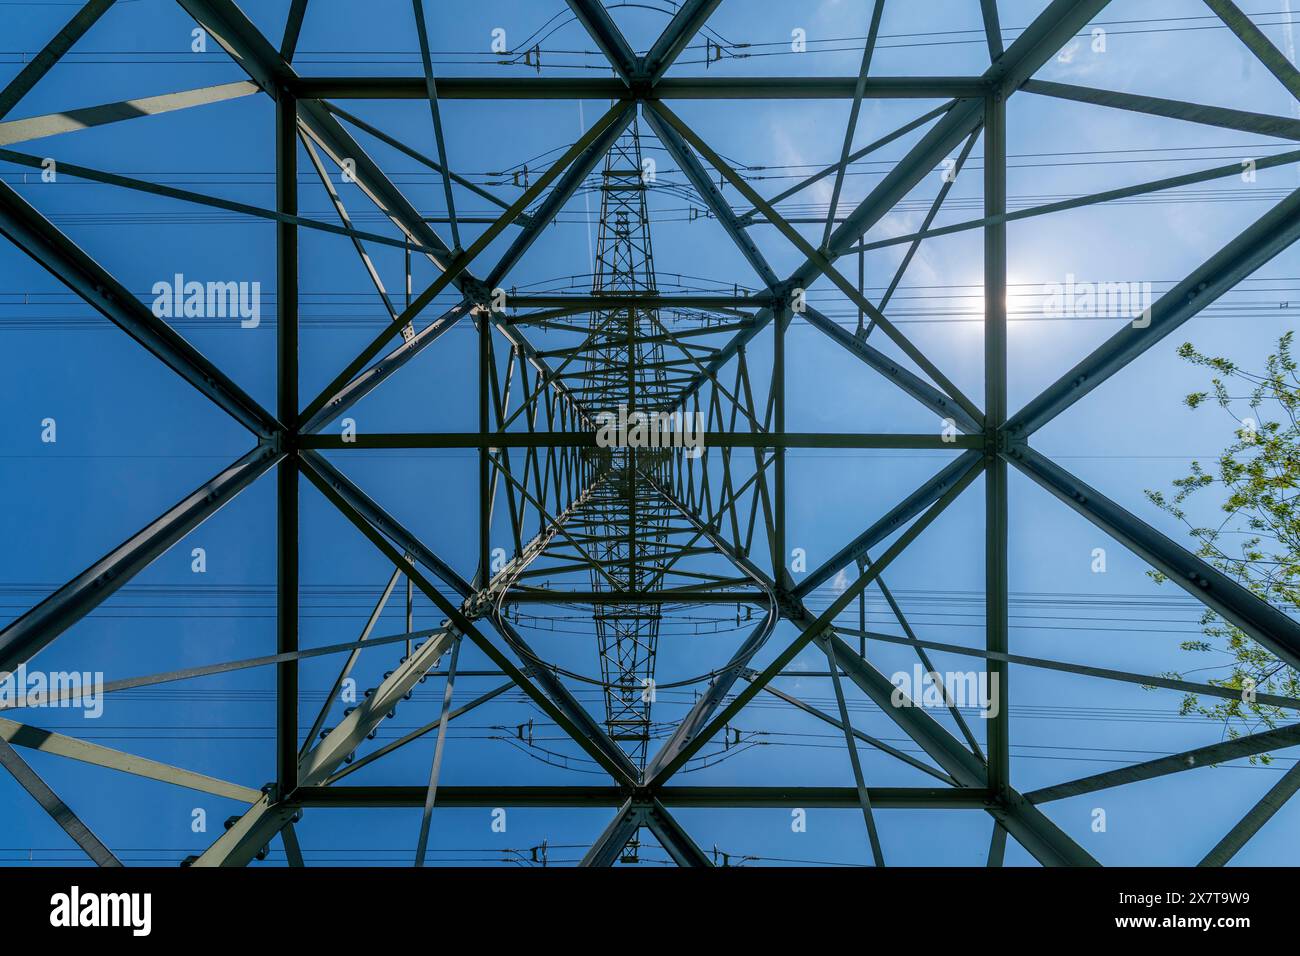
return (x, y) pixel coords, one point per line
(632, 519)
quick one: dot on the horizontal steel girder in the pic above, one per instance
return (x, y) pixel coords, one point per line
(718, 797)
(589, 439)
(669, 88)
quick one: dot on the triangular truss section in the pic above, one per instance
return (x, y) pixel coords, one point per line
(626, 529)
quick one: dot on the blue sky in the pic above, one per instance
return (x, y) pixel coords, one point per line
(133, 437)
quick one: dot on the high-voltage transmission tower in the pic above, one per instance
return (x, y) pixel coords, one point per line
(632, 535)
(626, 378)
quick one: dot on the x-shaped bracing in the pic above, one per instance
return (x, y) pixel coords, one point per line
(1005, 438)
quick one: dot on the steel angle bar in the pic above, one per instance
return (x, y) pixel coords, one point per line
(59, 811)
(668, 88)
(69, 121)
(600, 25)
(1034, 831)
(1257, 244)
(1208, 756)
(63, 259)
(685, 24)
(1254, 820)
(1241, 120)
(50, 742)
(24, 637)
(1272, 628)
(52, 53)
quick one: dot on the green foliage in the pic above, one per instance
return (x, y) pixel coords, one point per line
(1256, 541)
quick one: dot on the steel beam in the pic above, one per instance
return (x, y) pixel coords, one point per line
(264, 65)
(23, 638)
(558, 701)
(871, 147)
(685, 24)
(1242, 121)
(700, 797)
(600, 25)
(1261, 241)
(720, 685)
(52, 53)
(1034, 831)
(435, 771)
(69, 121)
(1084, 670)
(59, 811)
(589, 439)
(1253, 821)
(605, 850)
(247, 835)
(264, 819)
(894, 519)
(1052, 29)
(1038, 43)
(1208, 756)
(599, 302)
(1231, 170)
(842, 166)
(292, 28)
(811, 628)
(226, 23)
(420, 158)
(615, 598)
(1273, 629)
(668, 88)
(712, 196)
(911, 383)
(58, 254)
(50, 742)
(673, 838)
(864, 799)
(996, 570)
(436, 116)
(382, 370)
(287, 515)
(202, 199)
(1260, 45)
(865, 738)
(573, 177)
(992, 28)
